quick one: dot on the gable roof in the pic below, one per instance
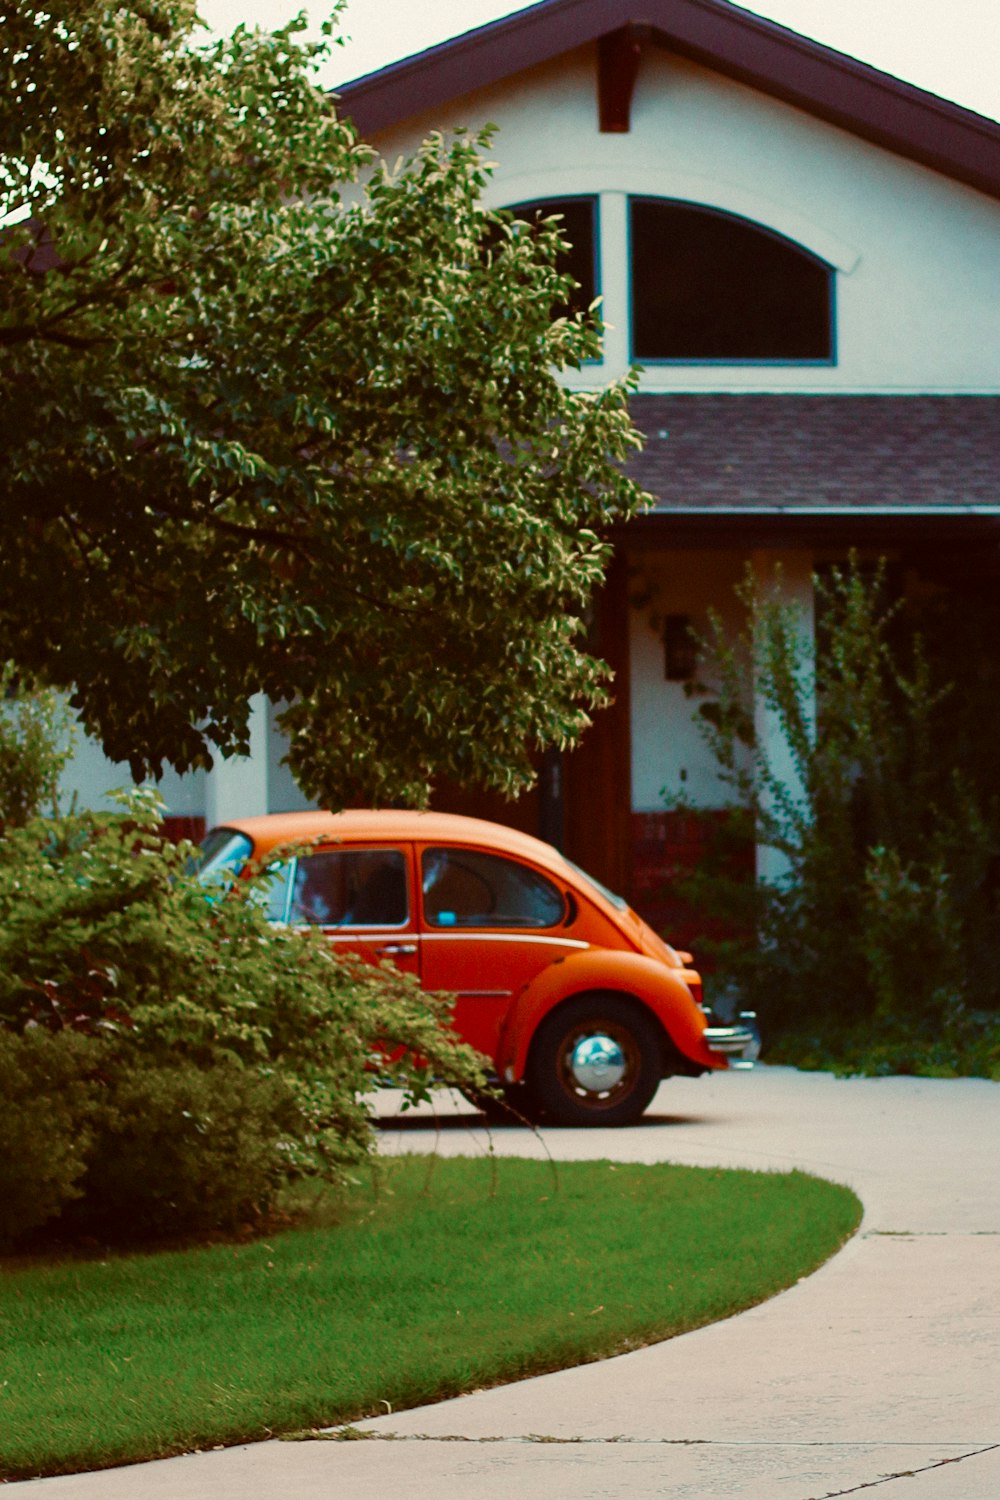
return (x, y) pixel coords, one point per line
(871, 104)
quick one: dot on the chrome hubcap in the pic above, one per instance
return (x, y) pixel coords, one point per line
(597, 1064)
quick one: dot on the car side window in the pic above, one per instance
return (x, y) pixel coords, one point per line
(350, 888)
(467, 888)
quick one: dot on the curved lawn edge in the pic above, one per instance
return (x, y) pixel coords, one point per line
(541, 1266)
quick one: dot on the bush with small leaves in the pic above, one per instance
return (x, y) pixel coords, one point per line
(193, 1000)
(46, 1086)
(879, 949)
(177, 1149)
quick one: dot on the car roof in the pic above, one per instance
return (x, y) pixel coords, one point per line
(273, 829)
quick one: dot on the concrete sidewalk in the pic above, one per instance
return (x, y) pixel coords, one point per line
(881, 1371)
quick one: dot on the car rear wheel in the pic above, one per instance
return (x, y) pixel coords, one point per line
(597, 1060)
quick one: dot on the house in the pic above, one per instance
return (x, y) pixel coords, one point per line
(803, 253)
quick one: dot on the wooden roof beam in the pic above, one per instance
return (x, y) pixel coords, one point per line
(619, 54)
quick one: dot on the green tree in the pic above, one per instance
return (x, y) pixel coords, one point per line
(283, 418)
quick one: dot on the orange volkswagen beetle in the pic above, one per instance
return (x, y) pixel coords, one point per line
(579, 1004)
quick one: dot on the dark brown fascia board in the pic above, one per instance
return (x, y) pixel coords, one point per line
(868, 103)
(477, 59)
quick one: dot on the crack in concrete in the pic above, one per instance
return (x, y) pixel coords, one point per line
(356, 1434)
(927, 1234)
(941, 1463)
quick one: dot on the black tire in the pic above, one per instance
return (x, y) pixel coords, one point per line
(625, 1073)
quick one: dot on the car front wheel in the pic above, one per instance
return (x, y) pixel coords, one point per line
(594, 1061)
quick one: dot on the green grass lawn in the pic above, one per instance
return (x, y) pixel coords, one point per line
(445, 1275)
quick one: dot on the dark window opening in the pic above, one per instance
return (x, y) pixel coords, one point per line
(709, 286)
(578, 228)
(467, 888)
(351, 888)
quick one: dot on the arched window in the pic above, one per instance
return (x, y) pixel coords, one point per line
(711, 287)
(579, 229)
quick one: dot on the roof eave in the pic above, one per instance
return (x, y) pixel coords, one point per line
(974, 530)
(846, 93)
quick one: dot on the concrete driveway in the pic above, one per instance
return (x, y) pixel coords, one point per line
(881, 1372)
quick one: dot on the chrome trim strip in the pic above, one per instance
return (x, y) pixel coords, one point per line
(527, 936)
(359, 934)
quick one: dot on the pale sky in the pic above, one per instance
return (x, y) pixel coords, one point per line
(951, 47)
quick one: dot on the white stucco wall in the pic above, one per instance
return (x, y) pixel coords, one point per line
(669, 754)
(90, 776)
(239, 787)
(917, 255)
(283, 792)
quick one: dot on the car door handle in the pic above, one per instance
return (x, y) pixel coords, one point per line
(397, 948)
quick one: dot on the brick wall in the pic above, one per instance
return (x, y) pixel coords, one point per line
(665, 846)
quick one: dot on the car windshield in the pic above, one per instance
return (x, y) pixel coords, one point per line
(618, 902)
(223, 854)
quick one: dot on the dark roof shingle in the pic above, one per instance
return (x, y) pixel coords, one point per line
(752, 452)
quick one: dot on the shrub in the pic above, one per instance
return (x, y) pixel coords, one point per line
(45, 1134)
(885, 932)
(176, 1149)
(188, 991)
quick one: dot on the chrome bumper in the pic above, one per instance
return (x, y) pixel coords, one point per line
(740, 1043)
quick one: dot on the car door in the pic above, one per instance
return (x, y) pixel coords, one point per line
(361, 897)
(490, 924)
